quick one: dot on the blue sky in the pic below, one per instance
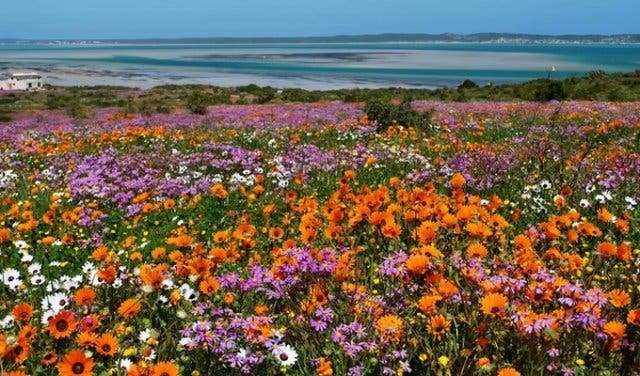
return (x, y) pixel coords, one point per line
(244, 18)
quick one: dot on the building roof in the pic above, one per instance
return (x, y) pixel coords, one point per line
(25, 76)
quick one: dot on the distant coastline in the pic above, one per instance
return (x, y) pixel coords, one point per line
(497, 38)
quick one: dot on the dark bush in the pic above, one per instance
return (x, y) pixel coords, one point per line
(550, 90)
(385, 114)
(468, 84)
(198, 101)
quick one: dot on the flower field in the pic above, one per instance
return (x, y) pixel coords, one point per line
(299, 239)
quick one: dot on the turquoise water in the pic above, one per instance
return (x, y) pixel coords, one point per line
(315, 66)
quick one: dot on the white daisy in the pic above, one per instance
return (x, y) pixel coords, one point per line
(34, 268)
(11, 279)
(285, 355)
(37, 279)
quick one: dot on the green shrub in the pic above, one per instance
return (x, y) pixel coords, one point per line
(198, 101)
(549, 90)
(385, 114)
(468, 84)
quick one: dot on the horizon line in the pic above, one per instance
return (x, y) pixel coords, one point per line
(336, 36)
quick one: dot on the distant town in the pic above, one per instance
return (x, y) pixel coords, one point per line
(373, 38)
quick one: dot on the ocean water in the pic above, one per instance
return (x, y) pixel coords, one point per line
(313, 66)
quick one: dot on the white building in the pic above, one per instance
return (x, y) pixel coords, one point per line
(22, 81)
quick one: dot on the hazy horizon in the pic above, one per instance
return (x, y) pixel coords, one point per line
(120, 19)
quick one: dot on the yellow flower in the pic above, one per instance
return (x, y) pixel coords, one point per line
(129, 351)
(443, 360)
(423, 357)
(580, 362)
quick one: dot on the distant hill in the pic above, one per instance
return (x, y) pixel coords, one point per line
(373, 38)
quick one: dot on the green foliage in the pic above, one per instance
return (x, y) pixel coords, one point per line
(548, 90)
(596, 85)
(386, 113)
(198, 101)
(5, 117)
(468, 84)
(300, 95)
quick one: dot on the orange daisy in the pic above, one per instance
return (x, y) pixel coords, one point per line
(633, 317)
(75, 363)
(164, 369)
(129, 308)
(438, 325)
(619, 298)
(84, 296)
(508, 372)
(49, 358)
(107, 345)
(22, 312)
(62, 325)
(494, 304)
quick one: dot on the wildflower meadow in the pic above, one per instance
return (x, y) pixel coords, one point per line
(302, 239)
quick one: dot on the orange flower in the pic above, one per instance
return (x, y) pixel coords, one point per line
(619, 298)
(607, 249)
(164, 369)
(49, 358)
(84, 296)
(447, 289)
(324, 367)
(391, 230)
(221, 236)
(494, 304)
(390, 327)
(633, 317)
(508, 372)
(129, 308)
(614, 329)
(5, 235)
(75, 363)
(62, 325)
(22, 312)
(15, 373)
(218, 191)
(438, 325)
(20, 351)
(86, 339)
(158, 252)
(478, 230)
(476, 250)
(89, 323)
(483, 362)
(427, 304)
(181, 241)
(28, 333)
(418, 264)
(209, 286)
(457, 181)
(276, 233)
(107, 345)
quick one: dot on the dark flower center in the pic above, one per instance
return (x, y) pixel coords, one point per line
(77, 368)
(62, 325)
(283, 357)
(18, 350)
(495, 309)
(106, 348)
